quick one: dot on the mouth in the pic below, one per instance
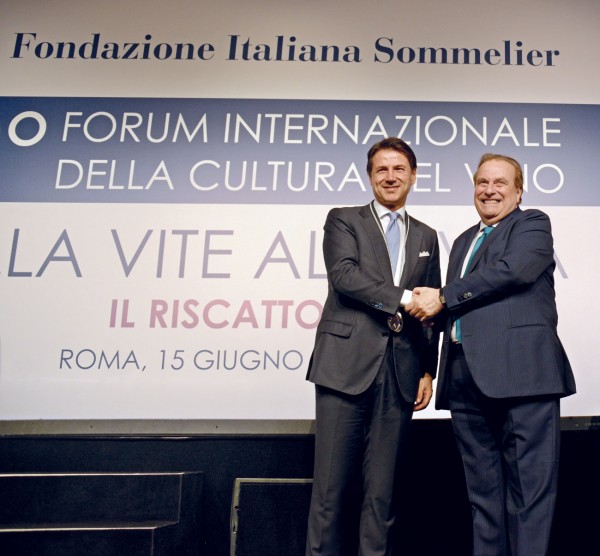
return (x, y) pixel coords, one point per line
(489, 201)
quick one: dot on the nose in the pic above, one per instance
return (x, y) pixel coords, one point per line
(390, 176)
(490, 189)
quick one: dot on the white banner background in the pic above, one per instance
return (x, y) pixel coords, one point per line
(42, 316)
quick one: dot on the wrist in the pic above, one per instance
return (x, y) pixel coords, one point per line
(442, 298)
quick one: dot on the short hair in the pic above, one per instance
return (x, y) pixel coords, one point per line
(396, 144)
(514, 163)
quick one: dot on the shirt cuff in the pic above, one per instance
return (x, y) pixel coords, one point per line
(406, 297)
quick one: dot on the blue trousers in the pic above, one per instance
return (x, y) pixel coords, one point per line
(510, 452)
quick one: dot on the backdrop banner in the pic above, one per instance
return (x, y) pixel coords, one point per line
(164, 180)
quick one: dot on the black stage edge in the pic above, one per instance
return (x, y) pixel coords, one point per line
(434, 520)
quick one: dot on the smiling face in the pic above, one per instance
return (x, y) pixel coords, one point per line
(496, 191)
(391, 178)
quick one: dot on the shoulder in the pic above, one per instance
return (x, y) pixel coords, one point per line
(421, 226)
(348, 210)
(347, 213)
(530, 217)
(468, 234)
(533, 214)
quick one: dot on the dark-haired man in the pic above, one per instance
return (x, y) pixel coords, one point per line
(372, 365)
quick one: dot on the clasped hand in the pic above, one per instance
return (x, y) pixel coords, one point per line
(425, 303)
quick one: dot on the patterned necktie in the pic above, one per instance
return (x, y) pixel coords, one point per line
(392, 237)
(486, 231)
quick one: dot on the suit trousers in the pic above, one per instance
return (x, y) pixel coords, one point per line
(358, 442)
(510, 451)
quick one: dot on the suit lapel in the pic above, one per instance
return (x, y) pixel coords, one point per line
(375, 234)
(460, 248)
(411, 255)
(492, 237)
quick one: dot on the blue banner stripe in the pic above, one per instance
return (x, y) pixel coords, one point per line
(238, 151)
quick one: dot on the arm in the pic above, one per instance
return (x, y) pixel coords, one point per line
(348, 273)
(424, 393)
(528, 253)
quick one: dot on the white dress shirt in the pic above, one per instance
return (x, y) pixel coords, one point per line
(384, 218)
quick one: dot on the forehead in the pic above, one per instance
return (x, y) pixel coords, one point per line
(386, 157)
(496, 169)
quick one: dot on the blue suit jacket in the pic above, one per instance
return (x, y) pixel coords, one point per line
(506, 303)
(352, 336)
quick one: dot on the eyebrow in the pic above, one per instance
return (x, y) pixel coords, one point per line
(383, 167)
(501, 180)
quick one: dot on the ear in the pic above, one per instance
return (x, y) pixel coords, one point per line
(413, 176)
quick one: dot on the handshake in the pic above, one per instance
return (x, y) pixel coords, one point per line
(425, 303)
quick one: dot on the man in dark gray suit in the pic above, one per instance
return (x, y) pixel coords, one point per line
(372, 365)
(503, 368)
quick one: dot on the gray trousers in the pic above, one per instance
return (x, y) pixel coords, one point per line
(358, 442)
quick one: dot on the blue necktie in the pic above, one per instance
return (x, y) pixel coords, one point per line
(486, 231)
(392, 237)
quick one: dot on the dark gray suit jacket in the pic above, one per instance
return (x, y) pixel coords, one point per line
(507, 309)
(352, 335)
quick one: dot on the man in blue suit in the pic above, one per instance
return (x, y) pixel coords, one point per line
(503, 368)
